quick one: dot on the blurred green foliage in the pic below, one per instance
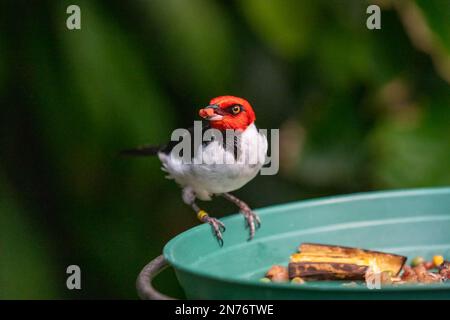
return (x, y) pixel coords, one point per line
(359, 110)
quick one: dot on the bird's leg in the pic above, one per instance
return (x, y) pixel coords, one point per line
(253, 221)
(217, 226)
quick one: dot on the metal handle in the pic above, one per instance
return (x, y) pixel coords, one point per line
(144, 280)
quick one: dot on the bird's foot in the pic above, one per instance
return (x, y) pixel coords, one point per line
(253, 222)
(217, 226)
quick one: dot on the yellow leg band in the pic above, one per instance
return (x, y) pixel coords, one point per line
(201, 214)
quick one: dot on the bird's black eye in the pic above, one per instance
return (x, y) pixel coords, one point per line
(236, 109)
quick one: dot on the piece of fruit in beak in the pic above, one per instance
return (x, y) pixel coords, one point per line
(208, 113)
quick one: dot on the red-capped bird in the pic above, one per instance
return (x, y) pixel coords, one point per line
(221, 165)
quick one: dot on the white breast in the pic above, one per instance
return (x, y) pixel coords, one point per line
(219, 171)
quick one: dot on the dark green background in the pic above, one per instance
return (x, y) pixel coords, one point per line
(358, 110)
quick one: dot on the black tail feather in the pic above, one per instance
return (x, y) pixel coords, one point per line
(146, 150)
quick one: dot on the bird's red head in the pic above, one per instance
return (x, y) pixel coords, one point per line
(228, 112)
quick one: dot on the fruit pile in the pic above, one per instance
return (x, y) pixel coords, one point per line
(316, 262)
(436, 270)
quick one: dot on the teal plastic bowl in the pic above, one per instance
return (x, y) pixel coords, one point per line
(407, 222)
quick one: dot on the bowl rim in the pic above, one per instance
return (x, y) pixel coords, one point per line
(168, 248)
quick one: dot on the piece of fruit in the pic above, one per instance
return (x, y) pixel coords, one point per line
(265, 280)
(326, 262)
(278, 274)
(298, 280)
(327, 271)
(424, 276)
(417, 261)
(438, 260)
(409, 276)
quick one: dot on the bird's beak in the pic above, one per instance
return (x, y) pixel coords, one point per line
(209, 113)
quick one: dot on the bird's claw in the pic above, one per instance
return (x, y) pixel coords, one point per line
(253, 222)
(217, 227)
